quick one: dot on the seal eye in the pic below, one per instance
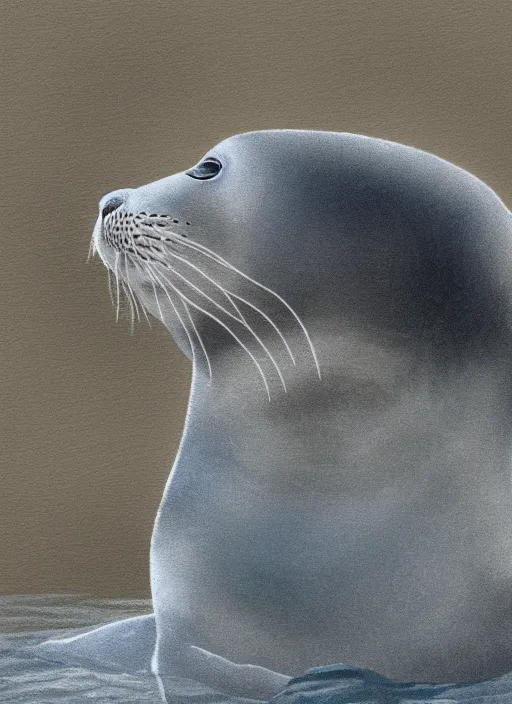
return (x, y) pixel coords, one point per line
(208, 168)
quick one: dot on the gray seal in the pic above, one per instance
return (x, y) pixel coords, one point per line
(342, 491)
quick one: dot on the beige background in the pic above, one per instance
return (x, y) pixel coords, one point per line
(103, 94)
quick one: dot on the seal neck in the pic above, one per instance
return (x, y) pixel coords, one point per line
(371, 423)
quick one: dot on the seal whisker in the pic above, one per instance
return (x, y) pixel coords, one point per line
(126, 289)
(137, 266)
(243, 321)
(193, 266)
(154, 277)
(134, 262)
(258, 310)
(156, 298)
(227, 328)
(229, 294)
(216, 257)
(123, 285)
(226, 293)
(117, 285)
(192, 346)
(265, 288)
(126, 257)
(145, 314)
(240, 319)
(110, 276)
(217, 285)
(92, 249)
(199, 338)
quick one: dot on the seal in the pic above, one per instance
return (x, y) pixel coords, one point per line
(342, 489)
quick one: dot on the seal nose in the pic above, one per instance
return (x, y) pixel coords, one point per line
(113, 200)
(110, 205)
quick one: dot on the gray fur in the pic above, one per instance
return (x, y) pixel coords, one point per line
(364, 515)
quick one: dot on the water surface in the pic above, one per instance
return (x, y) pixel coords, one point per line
(26, 679)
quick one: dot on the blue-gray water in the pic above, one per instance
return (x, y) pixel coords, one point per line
(25, 679)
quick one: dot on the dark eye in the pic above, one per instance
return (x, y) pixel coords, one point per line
(206, 169)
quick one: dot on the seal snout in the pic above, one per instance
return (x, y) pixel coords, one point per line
(110, 205)
(112, 201)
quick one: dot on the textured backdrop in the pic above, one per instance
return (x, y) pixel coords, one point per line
(102, 94)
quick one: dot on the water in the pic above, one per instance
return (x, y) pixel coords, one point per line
(26, 679)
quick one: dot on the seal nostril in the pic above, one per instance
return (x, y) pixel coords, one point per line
(110, 206)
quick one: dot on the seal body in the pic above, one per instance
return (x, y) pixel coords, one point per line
(363, 514)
